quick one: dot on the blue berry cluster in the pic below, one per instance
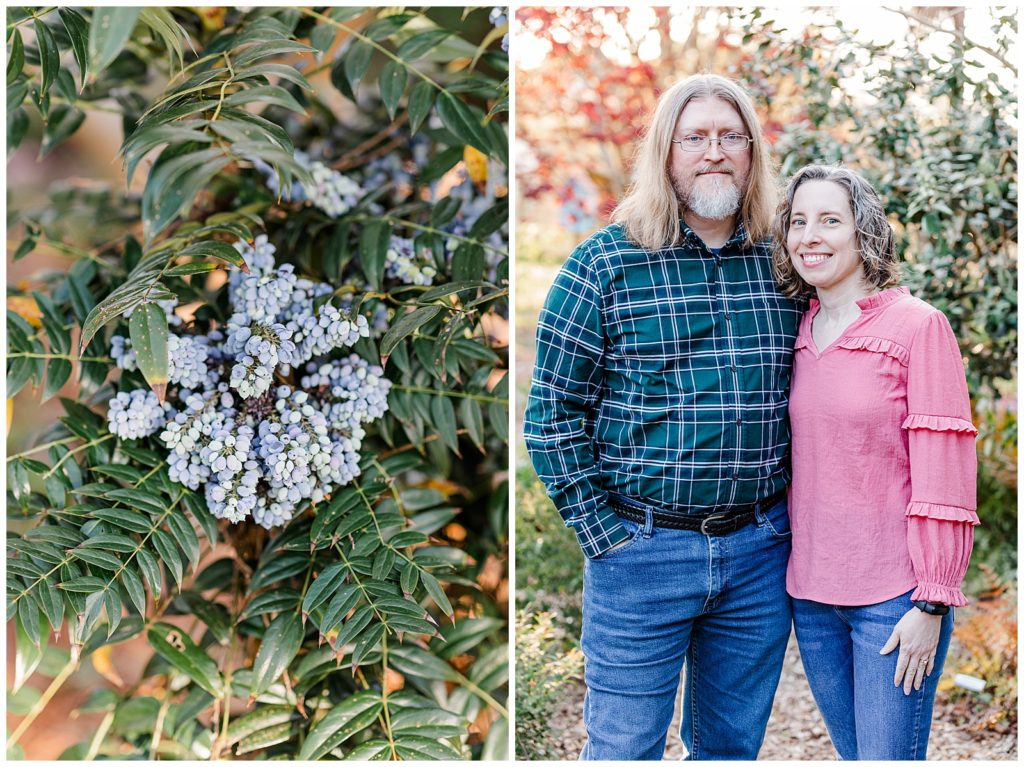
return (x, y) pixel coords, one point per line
(498, 17)
(331, 191)
(258, 446)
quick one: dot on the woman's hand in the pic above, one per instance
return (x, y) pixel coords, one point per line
(917, 635)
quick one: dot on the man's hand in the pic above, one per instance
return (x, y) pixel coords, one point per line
(917, 635)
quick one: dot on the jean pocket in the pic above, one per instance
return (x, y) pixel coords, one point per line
(635, 530)
(775, 520)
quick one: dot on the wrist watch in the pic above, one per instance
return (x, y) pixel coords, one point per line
(931, 608)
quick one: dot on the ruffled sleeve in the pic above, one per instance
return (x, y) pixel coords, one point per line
(943, 464)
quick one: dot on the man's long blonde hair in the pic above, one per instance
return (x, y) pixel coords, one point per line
(650, 211)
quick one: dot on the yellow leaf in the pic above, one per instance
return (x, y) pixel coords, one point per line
(26, 307)
(476, 164)
(212, 18)
(10, 414)
(101, 661)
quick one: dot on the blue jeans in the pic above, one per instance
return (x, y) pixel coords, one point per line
(720, 603)
(867, 716)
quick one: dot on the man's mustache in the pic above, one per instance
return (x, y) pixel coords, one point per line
(715, 169)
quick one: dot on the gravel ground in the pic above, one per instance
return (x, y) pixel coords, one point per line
(796, 730)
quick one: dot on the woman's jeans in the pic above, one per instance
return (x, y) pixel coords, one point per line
(867, 716)
(720, 603)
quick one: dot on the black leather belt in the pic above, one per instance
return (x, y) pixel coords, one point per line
(716, 523)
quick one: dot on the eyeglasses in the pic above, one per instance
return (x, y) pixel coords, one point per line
(730, 142)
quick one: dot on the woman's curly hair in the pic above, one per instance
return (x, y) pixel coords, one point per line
(875, 239)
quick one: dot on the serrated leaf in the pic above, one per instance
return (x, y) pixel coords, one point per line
(108, 34)
(405, 325)
(148, 328)
(462, 122)
(176, 647)
(421, 99)
(392, 80)
(281, 643)
(355, 713)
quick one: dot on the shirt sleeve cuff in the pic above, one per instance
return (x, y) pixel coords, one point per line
(601, 532)
(934, 592)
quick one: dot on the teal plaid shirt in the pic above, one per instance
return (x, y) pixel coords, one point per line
(661, 375)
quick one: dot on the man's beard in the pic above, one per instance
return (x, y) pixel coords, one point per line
(717, 200)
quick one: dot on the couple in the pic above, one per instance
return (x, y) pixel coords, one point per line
(678, 380)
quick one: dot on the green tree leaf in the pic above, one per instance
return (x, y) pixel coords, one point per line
(281, 643)
(15, 57)
(108, 34)
(345, 719)
(405, 325)
(148, 328)
(393, 78)
(460, 120)
(177, 648)
(49, 56)
(78, 32)
(421, 99)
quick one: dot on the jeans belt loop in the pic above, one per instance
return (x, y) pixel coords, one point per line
(648, 521)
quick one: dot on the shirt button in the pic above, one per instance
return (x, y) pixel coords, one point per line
(739, 420)
(733, 368)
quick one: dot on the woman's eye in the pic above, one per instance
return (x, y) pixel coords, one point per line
(796, 222)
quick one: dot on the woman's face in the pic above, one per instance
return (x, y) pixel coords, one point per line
(822, 240)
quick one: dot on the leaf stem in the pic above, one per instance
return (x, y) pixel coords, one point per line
(432, 230)
(44, 446)
(101, 733)
(445, 393)
(32, 17)
(44, 699)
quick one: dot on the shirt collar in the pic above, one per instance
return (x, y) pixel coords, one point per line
(691, 239)
(874, 301)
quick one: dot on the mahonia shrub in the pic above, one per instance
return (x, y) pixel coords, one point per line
(281, 464)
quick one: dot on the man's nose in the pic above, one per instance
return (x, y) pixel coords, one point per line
(714, 151)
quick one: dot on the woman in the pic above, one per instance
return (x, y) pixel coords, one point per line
(882, 504)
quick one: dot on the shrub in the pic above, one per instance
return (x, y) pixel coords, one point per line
(301, 460)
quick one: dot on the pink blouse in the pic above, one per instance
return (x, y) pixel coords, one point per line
(884, 466)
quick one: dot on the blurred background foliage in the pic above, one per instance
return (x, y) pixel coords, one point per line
(920, 100)
(139, 627)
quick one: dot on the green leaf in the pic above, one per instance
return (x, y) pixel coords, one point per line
(421, 99)
(262, 718)
(124, 518)
(136, 592)
(177, 648)
(324, 587)
(357, 61)
(58, 371)
(341, 602)
(78, 31)
(98, 558)
(173, 183)
(467, 634)
(322, 37)
(460, 120)
(148, 327)
(168, 554)
(412, 748)
(473, 419)
(185, 535)
(108, 34)
(443, 414)
(280, 645)
(428, 723)
(63, 120)
(183, 270)
(355, 713)
(49, 56)
(436, 593)
(405, 325)
(497, 414)
(15, 57)
(53, 322)
(422, 43)
(415, 661)
(17, 127)
(392, 80)
(374, 241)
(150, 569)
(27, 651)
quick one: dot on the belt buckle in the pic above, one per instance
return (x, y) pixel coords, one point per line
(710, 518)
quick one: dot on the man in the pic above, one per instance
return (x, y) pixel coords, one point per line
(657, 420)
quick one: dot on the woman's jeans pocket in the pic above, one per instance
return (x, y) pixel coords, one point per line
(775, 520)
